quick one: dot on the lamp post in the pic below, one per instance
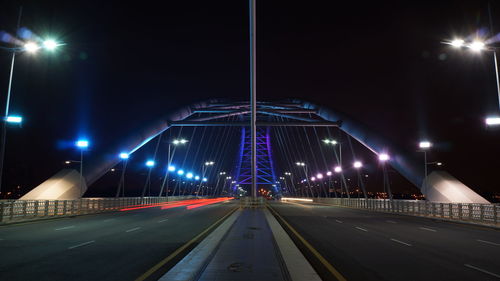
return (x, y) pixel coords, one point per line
(170, 156)
(121, 185)
(203, 171)
(478, 46)
(217, 184)
(82, 145)
(304, 167)
(383, 158)
(424, 146)
(28, 47)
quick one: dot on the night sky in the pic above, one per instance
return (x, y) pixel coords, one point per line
(125, 65)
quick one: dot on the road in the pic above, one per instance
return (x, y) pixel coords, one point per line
(365, 245)
(110, 246)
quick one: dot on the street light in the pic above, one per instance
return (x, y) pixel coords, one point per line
(29, 47)
(82, 144)
(424, 146)
(383, 157)
(124, 156)
(492, 120)
(203, 171)
(170, 157)
(477, 46)
(358, 164)
(304, 167)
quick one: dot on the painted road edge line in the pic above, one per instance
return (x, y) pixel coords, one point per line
(325, 263)
(133, 229)
(488, 242)
(362, 229)
(428, 229)
(482, 270)
(400, 242)
(66, 227)
(81, 244)
(182, 248)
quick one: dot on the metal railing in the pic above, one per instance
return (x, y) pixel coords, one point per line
(469, 212)
(18, 210)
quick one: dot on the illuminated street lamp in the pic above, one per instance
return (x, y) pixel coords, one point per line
(383, 157)
(170, 156)
(478, 46)
(304, 167)
(358, 164)
(121, 185)
(492, 120)
(424, 146)
(81, 144)
(29, 47)
(337, 169)
(203, 171)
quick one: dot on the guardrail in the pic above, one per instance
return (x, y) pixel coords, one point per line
(477, 213)
(17, 210)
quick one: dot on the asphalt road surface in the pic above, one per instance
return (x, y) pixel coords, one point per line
(365, 245)
(109, 246)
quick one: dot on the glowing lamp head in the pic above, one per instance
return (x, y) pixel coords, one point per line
(14, 119)
(204, 179)
(180, 172)
(477, 46)
(31, 47)
(328, 173)
(492, 121)
(171, 168)
(197, 177)
(383, 157)
(457, 43)
(319, 176)
(150, 163)
(425, 144)
(124, 155)
(358, 164)
(189, 175)
(50, 44)
(82, 143)
(337, 169)
(313, 178)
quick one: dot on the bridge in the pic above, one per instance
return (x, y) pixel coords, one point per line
(314, 216)
(229, 189)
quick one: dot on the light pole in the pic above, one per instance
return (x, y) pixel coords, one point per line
(383, 158)
(478, 46)
(304, 167)
(121, 185)
(203, 171)
(424, 146)
(217, 184)
(82, 145)
(28, 47)
(170, 156)
(150, 164)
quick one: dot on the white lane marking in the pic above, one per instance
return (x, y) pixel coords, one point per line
(401, 242)
(82, 244)
(360, 228)
(339, 221)
(108, 220)
(66, 227)
(482, 270)
(133, 229)
(428, 229)
(163, 220)
(488, 242)
(391, 221)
